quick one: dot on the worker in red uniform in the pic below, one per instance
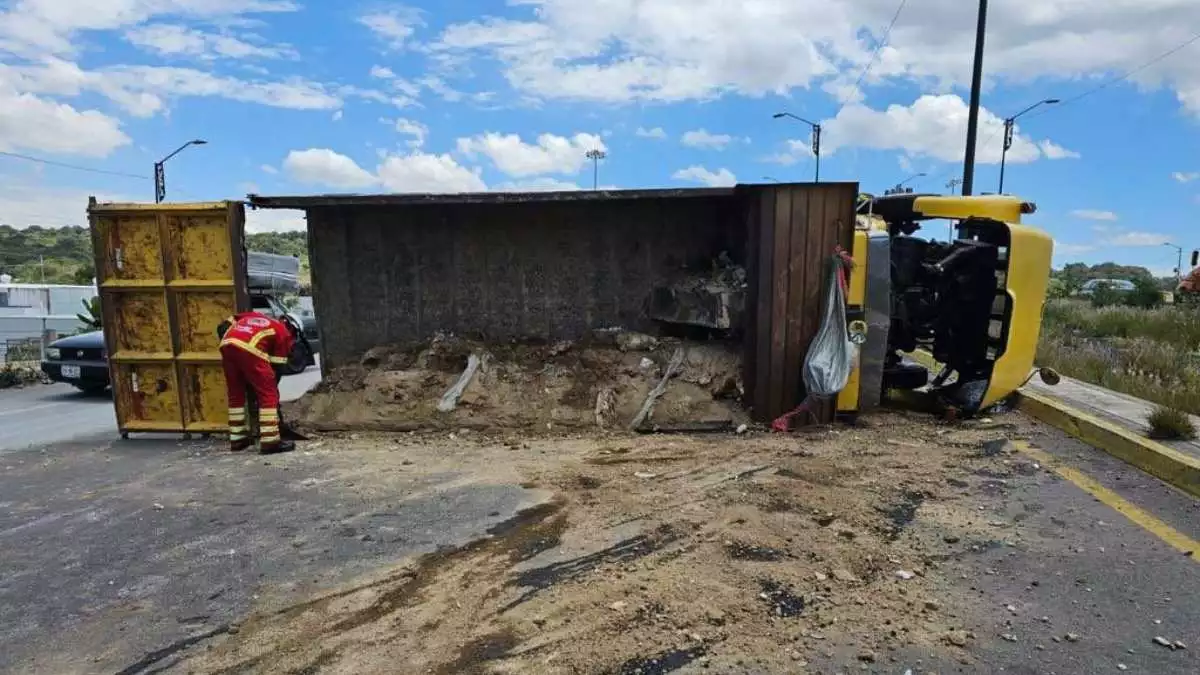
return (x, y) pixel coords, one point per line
(251, 345)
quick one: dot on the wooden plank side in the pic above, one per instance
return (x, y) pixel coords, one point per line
(763, 307)
(798, 264)
(748, 202)
(780, 302)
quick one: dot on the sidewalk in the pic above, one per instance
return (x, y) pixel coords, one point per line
(1116, 424)
(1120, 409)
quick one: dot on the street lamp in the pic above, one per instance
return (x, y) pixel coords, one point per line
(1179, 263)
(816, 139)
(1008, 135)
(911, 178)
(160, 178)
(596, 155)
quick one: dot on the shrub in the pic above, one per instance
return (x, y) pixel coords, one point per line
(1106, 296)
(1145, 294)
(1170, 424)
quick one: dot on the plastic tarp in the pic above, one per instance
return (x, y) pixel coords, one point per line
(277, 274)
(831, 356)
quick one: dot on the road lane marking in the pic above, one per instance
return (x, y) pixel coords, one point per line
(1174, 538)
(25, 410)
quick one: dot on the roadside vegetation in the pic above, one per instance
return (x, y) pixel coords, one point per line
(1147, 352)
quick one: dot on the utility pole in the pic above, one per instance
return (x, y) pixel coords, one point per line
(968, 184)
(816, 139)
(160, 176)
(1009, 123)
(596, 155)
(952, 186)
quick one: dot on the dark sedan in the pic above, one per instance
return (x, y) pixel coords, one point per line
(79, 360)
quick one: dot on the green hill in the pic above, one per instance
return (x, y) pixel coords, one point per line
(63, 255)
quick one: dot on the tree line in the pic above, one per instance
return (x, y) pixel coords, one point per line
(63, 255)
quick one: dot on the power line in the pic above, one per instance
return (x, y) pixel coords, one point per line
(887, 34)
(76, 167)
(1126, 76)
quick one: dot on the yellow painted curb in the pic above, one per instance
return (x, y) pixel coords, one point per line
(1150, 456)
(1156, 459)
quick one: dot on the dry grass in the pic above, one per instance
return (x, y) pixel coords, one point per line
(1170, 424)
(1147, 353)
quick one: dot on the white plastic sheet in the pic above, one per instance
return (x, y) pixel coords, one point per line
(831, 357)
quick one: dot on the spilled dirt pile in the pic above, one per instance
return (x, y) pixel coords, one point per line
(824, 552)
(601, 384)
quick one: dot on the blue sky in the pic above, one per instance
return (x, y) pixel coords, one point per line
(307, 97)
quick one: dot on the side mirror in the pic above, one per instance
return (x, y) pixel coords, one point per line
(1049, 376)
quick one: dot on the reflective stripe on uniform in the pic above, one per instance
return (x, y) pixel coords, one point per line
(246, 347)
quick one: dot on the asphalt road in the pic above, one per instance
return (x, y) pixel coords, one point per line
(44, 414)
(114, 557)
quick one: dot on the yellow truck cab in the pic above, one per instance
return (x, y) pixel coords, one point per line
(973, 301)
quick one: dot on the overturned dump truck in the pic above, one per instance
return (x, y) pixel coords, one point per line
(974, 302)
(741, 270)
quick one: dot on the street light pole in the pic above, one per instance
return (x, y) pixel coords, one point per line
(816, 140)
(952, 186)
(596, 156)
(160, 176)
(968, 184)
(1009, 123)
(1179, 262)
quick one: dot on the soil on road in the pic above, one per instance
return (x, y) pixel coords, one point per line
(903, 544)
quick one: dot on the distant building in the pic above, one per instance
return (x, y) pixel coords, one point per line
(32, 311)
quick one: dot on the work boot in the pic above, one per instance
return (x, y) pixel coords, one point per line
(240, 445)
(276, 448)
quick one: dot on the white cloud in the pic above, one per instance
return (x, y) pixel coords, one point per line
(28, 122)
(933, 126)
(656, 133)
(175, 40)
(25, 200)
(1093, 214)
(1054, 151)
(537, 185)
(322, 166)
(905, 163)
(701, 138)
(421, 172)
(1138, 239)
(275, 220)
(267, 168)
(413, 172)
(699, 174)
(394, 26)
(415, 130)
(668, 50)
(551, 154)
(438, 86)
(337, 115)
(1061, 248)
(40, 27)
(144, 90)
(1185, 177)
(796, 151)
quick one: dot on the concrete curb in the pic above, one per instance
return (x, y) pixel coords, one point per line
(1150, 456)
(1156, 459)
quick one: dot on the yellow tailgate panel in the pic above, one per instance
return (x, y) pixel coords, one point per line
(141, 326)
(1030, 254)
(206, 408)
(149, 393)
(168, 274)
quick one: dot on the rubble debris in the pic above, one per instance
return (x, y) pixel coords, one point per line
(904, 575)
(657, 391)
(629, 341)
(844, 575)
(522, 386)
(716, 301)
(784, 603)
(450, 399)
